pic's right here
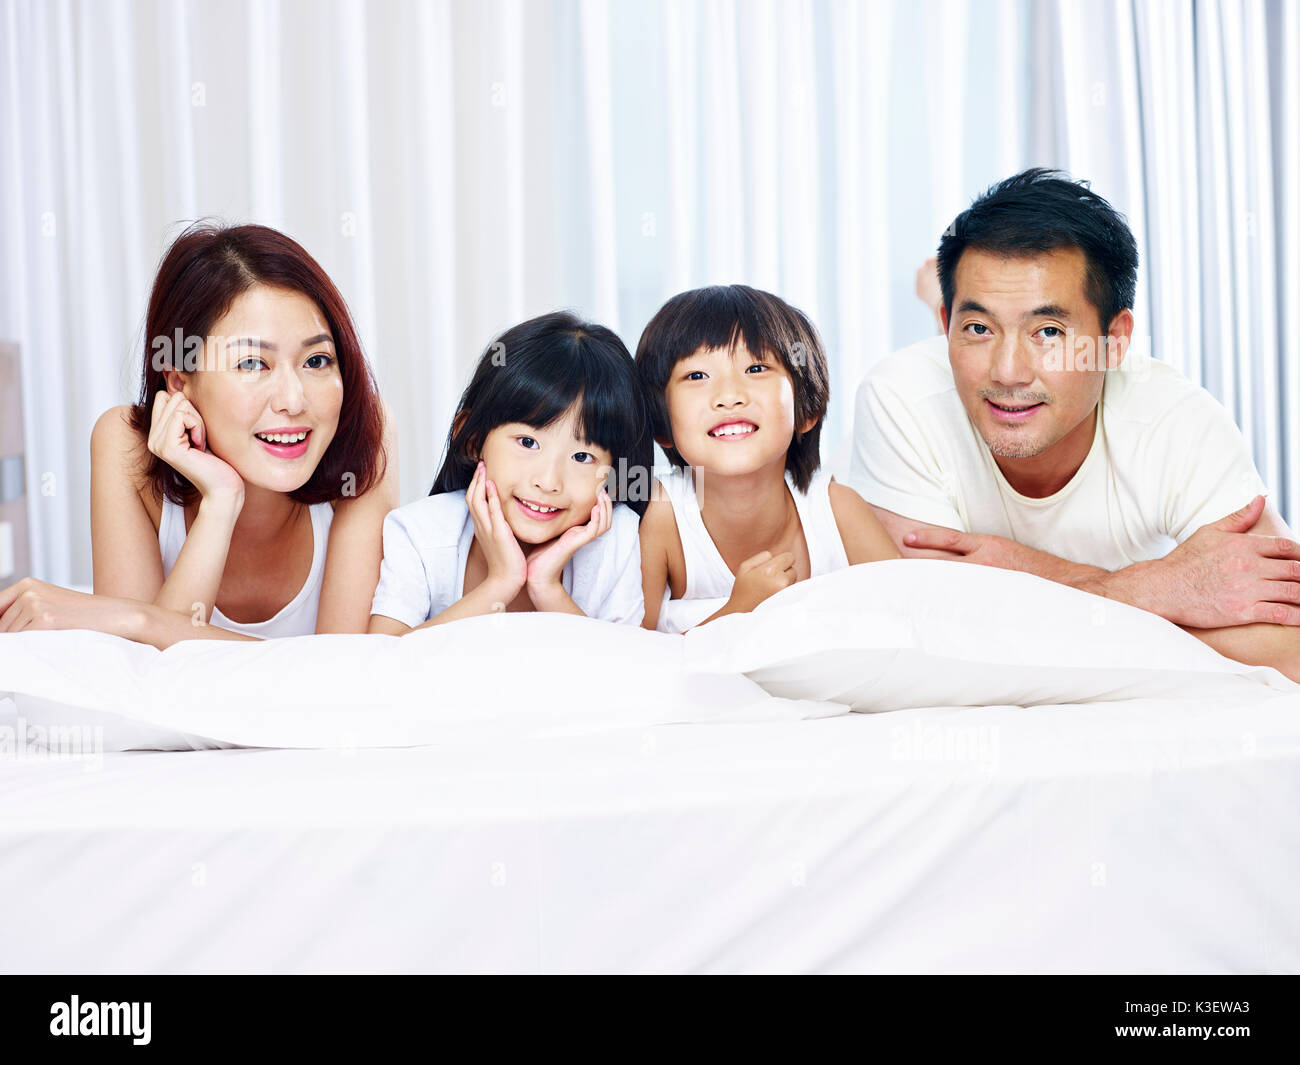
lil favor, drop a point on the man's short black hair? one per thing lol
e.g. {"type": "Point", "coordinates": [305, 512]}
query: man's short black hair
{"type": "Point", "coordinates": [723, 316]}
{"type": "Point", "coordinates": [1041, 210]}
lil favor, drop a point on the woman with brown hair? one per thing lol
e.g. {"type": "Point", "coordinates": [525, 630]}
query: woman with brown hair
{"type": "Point", "coordinates": [243, 496]}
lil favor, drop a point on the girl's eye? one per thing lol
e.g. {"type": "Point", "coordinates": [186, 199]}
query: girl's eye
{"type": "Point", "coordinates": [320, 361]}
{"type": "Point", "coordinates": [756, 366]}
{"type": "Point", "coordinates": [695, 375]}
{"type": "Point", "coordinates": [250, 364]}
{"type": "Point", "coordinates": [978, 328]}
{"type": "Point", "coordinates": [528, 442]}
{"type": "Point", "coordinates": [584, 456]}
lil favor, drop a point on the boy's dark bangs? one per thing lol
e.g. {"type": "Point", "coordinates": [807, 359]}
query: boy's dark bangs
{"type": "Point", "coordinates": [722, 318]}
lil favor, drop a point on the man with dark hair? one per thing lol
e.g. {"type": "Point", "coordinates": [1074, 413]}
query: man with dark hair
{"type": "Point", "coordinates": [1025, 438]}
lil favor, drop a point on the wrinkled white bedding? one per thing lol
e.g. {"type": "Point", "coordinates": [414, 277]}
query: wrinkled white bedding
{"type": "Point", "coordinates": [550, 794]}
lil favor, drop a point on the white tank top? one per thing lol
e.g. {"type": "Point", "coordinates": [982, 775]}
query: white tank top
{"type": "Point", "coordinates": [708, 580]}
{"type": "Point", "coordinates": [298, 617]}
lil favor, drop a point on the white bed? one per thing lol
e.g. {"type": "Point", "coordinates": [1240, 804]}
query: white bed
{"type": "Point", "coordinates": [1140, 834]}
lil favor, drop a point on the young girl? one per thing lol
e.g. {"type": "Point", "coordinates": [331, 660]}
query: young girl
{"type": "Point", "coordinates": [737, 385]}
{"type": "Point", "coordinates": [243, 495]}
{"type": "Point", "coordinates": [519, 517]}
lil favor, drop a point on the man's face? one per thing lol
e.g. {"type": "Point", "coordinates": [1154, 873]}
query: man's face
{"type": "Point", "coordinates": [1029, 352]}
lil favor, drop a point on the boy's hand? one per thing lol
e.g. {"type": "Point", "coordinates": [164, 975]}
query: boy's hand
{"type": "Point", "coordinates": [760, 577]}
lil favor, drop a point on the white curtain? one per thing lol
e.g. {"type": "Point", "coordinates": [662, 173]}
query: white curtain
{"type": "Point", "coordinates": [458, 166]}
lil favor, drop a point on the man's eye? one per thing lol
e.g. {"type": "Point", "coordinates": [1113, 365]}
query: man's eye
{"type": "Point", "coordinates": [978, 328]}
{"type": "Point", "coordinates": [1051, 332]}
{"type": "Point", "coordinates": [528, 442]}
{"type": "Point", "coordinates": [250, 363]}
{"type": "Point", "coordinates": [320, 361]}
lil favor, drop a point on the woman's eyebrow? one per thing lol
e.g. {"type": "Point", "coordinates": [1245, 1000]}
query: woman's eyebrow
{"type": "Point", "coordinates": [266, 345]}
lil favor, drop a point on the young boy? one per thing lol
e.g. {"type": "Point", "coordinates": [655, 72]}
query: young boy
{"type": "Point", "coordinates": [737, 385]}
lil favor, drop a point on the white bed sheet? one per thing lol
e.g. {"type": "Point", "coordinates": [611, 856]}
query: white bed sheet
{"type": "Point", "coordinates": [1137, 836]}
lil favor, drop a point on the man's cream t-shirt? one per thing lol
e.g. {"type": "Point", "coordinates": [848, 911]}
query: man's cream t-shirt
{"type": "Point", "coordinates": [1166, 459]}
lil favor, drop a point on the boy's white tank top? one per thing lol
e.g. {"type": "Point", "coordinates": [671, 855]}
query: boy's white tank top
{"type": "Point", "coordinates": [298, 616]}
{"type": "Point", "coordinates": [708, 580]}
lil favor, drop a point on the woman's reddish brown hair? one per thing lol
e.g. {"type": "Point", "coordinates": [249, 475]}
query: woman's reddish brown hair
{"type": "Point", "coordinates": [200, 276]}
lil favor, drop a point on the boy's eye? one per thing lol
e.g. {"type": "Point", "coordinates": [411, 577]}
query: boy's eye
{"type": "Point", "coordinates": [320, 361]}
{"type": "Point", "coordinates": [250, 363]}
{"type": "Point", "coordinates": [528, 442]}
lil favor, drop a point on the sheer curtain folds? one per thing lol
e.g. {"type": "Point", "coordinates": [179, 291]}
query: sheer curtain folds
{"type": "Point", "coordinates": [457, 166]}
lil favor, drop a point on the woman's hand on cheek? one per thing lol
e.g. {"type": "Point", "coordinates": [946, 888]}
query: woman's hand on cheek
{"type": "Point", "coordinates": [546, 565]}
{"type": "Point", "coordinates": [507, 567]}
{"type": "Point", "coordinates": [178, 436]}
{"type": "Point", "coordinates": [32, 605]}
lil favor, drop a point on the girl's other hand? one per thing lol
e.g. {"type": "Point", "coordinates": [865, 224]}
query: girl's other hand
{"type": "Point", "coordinates": [546, 565]}
{"type": "Point", "coordinates": [507, 567]}
{"type": "Point", "coordinates": [177, 436]}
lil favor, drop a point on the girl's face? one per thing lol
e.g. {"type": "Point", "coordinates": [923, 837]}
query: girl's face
{"type": "Point", "coordinates": [269, 368]}
{"type": "Point", "coordinates": [547, 478]}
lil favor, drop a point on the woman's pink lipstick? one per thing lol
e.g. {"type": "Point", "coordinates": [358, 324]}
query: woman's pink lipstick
{"type": "Point", "coordinates": [286, 451]}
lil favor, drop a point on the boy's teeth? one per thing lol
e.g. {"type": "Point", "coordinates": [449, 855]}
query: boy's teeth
{"type": "Point", "coordinates": [282, 438]}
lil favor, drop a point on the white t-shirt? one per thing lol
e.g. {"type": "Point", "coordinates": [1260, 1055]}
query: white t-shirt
{"type": "Point", "coordinates": [426, 546]}
{"type": "Point", "coordinates": [1166, 459]}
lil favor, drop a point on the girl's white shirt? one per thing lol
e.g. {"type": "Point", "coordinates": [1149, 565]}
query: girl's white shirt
{"type": "Point", "coordinates": [426, 548]}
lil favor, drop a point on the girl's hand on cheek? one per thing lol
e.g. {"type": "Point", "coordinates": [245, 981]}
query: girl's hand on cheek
{"type": "Point", "coordinates": [546, 565]}
{"type": "Point", "coordinates": [178, 437]}
{"type": "Point", "coordinates": [507, 567]}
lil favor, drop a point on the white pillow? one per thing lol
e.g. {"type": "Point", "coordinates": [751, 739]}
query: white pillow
{"type": "Point", "coordinates": [513, 674]}
{"type": "Point", "coordinates": [913, 633]}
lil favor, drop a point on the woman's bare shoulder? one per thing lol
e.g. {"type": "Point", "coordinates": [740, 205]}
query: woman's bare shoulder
{"type": "Point", "coordinates": [120, 451]}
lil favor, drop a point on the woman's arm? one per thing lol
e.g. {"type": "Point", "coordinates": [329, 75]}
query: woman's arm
{"type": "Point", "coordinates": [32, 605]}
{"type": "Point", "coordinates": [356, 547]}
{"type": "Point", "coordinates": [864, 538]}
{"type": "Point", "coordinates": [127, 560]}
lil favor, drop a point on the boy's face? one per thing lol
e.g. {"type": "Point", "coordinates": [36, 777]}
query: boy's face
{"type": "Point", "coordinates": [731, 411]}
{"type": "Point", "coordinates": [548, 478]}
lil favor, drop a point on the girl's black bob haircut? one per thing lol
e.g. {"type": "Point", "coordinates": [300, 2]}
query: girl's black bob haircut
{"type": "Point", "coordinates": [532, 374]}
{"type": "Point", "coordinates": [723, 316]}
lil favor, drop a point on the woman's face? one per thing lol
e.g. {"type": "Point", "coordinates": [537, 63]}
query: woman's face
{"type": "Point", "coordinates": [268, 388]}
